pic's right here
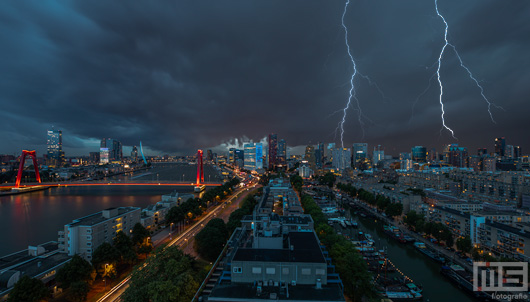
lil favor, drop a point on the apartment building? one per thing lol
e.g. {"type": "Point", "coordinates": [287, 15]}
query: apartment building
{"type": "Point", "coordinates": [84, 235]}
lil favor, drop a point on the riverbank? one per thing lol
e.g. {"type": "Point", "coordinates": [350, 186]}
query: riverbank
{"type": "Point", "coordinates": [23, 190]}
{"type": "Point", "coordinates": [450, 255]}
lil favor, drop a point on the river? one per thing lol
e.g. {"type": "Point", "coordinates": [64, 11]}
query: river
{"type": "Point", "coordinates": [36, 217]}
{"type": "Point", "coordinates": [421, 269]}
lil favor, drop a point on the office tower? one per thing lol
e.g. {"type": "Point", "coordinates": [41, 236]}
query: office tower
{"type": "Point", "coordinates": [239, 158]}
{"type": "Point", "coordinates": [209, 155]}
{"type": "Point", "coordinates": [319, 155]}
{"type": "Point", "coordinates": [231, 156]}
{"type": "Point", "coordinates": [509, 151]}
{"type": "Point", "coordinates": [253, 154]}
{"type": "Point", "coordinates": [482, 151]}
{"type": "Point", "coordinates": [310, 156]}
{"type": "Point", "coordinates": [114, 149]}
{"type": "Point", "coordinates": [134, 154]}
{"type": "Point", "coordinates": [273, 150]}
{"type": "Point", "coordinates": [517, 152]}
{"type": "Point", "coordinates": [341, 159]}
{"type": "Point", "coordinates": [379, 154]}
{"type": "Point", "coordinates": [419, 154]}
{"type": "Point", "coordinates": [282, 152]}
{"type": "Point", "coordinates": [329, 151]}
{"type": "Point", "coordinates": [55, 148]}
{"type": "Point", "coordinates": [500, 145]}
{"type": "Point", "coordinates": [360, 152]}
{"type": "Point", "coordinates": [456, 156]}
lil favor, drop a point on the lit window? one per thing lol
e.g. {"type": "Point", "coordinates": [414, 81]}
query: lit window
{"type": "Point", "coordinates": [238, 270]}
{"type": "Point", "coordinates": [270, 271]}
{"type": "Point", "coordinates": [256, 270]}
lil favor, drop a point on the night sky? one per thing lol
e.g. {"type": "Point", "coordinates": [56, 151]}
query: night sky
{"type": "Point", "coordinates": [181, 75]}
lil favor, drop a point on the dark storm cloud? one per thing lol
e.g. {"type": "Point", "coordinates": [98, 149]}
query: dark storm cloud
{"type": "Point", "coordinates": [181, 75]}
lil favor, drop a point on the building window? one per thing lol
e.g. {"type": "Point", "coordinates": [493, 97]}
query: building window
{"type": "Point", "coordinates": [89, 231]}
{"type": "Point", "coordinates": [306, 271]}
{"type": "Point", "coordinates": [237, 270]}
{"type": "Point", "coordinates": [285, 271]}
{"type": "Point", "coordinates": [256, 270]}
{"type": "Point", "coordinates": [89, 243]}
{"type": "Point", "coordinates": [270, 271]}
{"type": "Point", "coordinates": [320, 272]}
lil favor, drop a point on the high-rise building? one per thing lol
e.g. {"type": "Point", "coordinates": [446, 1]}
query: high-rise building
{"type": "Point", "coordinates": [517, 152]}
{"type": "Point", "coordinates": [253, 154]}
{"type": "Point", "coordinates": [134, 154]}
{"type": "Point", "coordinates": [419, 154]}
{"type": "Point", "coordinates": [379, 154]}
{"type": "Point", "coordinates": [239, 158]}
{"type": "Point", "coordinates": [209, 155]}
{"type": "Point", "coordinates": [93, 157]}
{"type": "Point", "coordinates": [114, 149]}
{"type": "Point", "coordinates": [341, 159]}
{"type": "Point", "coordinates": [319, 155]}
{"type": "Point", "coordinates": [55, 156]}
{"type": "Point", "coordinates": [329, 151]}
{"type": "Point", "coordinates": [273, 150]}
{"type": "Point", "coordinates": [457, 156]}
{"type": "Point", "coordinates": [404, 156]}
{"type": "Point", "coordinates": [509, 151]}
{"type": "Point", "coordinates": [231, 156]}
{"type": "Point", "coordinates": [489, 164]}
{"type": "Point", "coordinates": [482, 151]}
{"type": "Point", "coordinates": [310, 156]}
{"type": "Point", "coordinates": [282, 152]}
{"type": "Point", "coordinates": [500, 145]}
{"type": "Point", "coordinates": [360, 152]}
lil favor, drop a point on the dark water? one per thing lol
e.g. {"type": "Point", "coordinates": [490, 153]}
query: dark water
{"type": "Point", "coordinates": [34, 218]}
{"type": "Point", "coordinates": [421, 269]}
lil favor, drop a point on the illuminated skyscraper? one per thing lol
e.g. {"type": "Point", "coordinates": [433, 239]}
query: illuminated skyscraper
{"type": "Point", "coordinates": [341, 158]}
{"type": "Point", "coordinates": [114, 149]}
{"type": "Point", "coordinates": [378, 155]}
{"type": "Point", "coordinates": [360, 152]}
{"type": "Point", "coordinates": [419, 154]}
{"type": "Point", "coordinates": [55, 148]}
{"type": "Point", "coordinates": [253, 154]}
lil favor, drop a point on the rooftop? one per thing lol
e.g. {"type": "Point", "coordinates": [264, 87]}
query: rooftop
{"type": "Point", "coordinates": [248, 292]}
{"type": "Point", "coordinates": [508, 228]}
{"type": "Point", "coordinates": [305, 249]}
{"type": "Point", "coordinates": [98, 217]}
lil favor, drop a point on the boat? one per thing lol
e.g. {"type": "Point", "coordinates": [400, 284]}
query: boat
{"type": "Point", "coordinates": [199, 189]}
{"type": "Point", "coordinates": [394, 233]}
{"type": "Point", "coordinates": [463, 279]}
{"type": "Point", "coordinates": [420, 246]}
{"type": "Point", "coordinates": [408, 238]}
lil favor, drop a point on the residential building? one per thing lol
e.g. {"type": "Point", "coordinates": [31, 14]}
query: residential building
{"type": "Point", "coordinates": [282, 152]}
{"type": "Point", "coordinates": [378, 155]}
{"type": "Point", "coordinates": [84, 235]}
{"type": "Point", "coordinates": [500, 145]}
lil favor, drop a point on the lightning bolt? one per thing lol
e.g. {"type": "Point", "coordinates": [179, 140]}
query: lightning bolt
{"type": "Point", "coordinates": [447, 44]}
{"type": "Point", "coordinates": [352, 85]}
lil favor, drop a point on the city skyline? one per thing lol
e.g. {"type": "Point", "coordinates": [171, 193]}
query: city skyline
{"type": "Point", "coordinates": [176, 80]}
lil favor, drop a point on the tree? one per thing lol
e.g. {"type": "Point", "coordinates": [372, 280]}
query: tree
{"type": "Point", "coordinates": [28, 290]}
{"type": "Point", "coordinates": [327, 179]}
{"type": "Point", "coordinates": [297, 182]}
{"type": "Point", "coordinates": [77, 269]}
{"type": "Point", "coordinates": [139, 233]}
{"type": "Point", "coordinates": [394, 209]}
{"type": "Point", "coordinates": [210, 240]}
{"type": "Point", "coordinates": [168, 275]}
{"type": "Point", "coordinates": [78, 291]}
{"type": "Point", "coordinates": [124, 246]}
{"type": "Point", "coordinates": [103, 256]}
{"type": "Point", "coordinates": [463, 244]}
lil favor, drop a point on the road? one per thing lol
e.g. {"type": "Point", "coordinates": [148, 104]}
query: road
{"type": "Point", "coordinates": [184, 240]}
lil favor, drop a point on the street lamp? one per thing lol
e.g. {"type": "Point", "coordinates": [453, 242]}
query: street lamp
{"type": "Point", "coordinates": [105, 278]}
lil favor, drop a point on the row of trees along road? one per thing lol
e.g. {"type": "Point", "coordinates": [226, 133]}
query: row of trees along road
{"type": "Point", "coordinates": [347, 260]}
{"type": "Point", "coordinates": [383, 203]}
